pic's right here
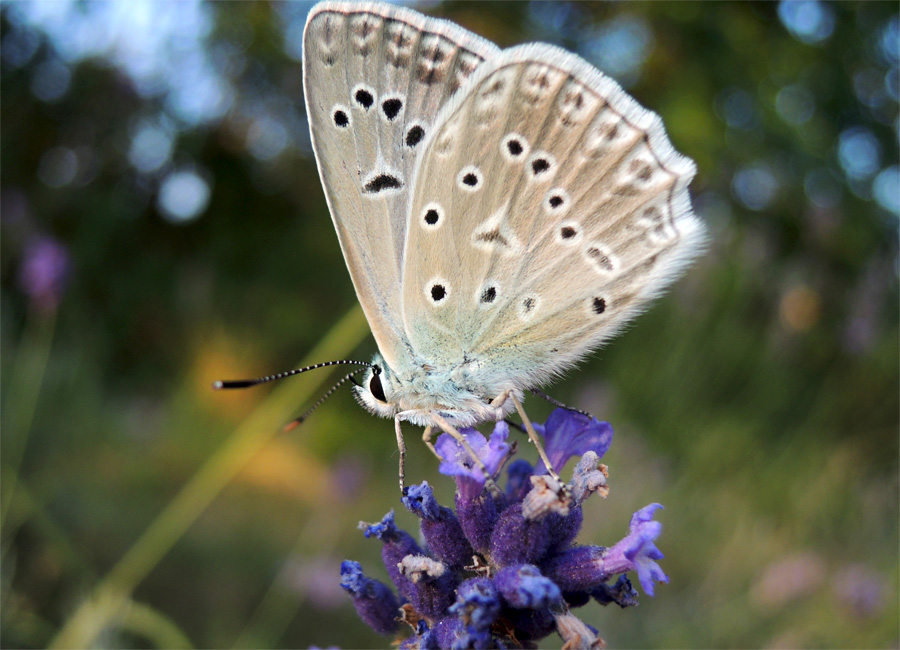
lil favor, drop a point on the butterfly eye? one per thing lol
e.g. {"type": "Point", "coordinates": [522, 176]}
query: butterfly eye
{"type": "Point", "coordinates": [375, 386]}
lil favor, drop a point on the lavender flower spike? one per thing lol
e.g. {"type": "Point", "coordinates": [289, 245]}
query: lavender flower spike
{"type": "Point", "coordinates": [375, 603]}
{"type": "Point", "coordinates": [457, 463]}
{"type": "Point", "coordinates": [567, 433]}
{"type": "Point", "coordinates": [504, 570]}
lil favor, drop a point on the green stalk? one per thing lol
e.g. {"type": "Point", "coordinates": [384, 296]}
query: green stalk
{"type": "Point", "coordinates": [22, 397]}
{"type": "Point", "coordinates": [111, 596]}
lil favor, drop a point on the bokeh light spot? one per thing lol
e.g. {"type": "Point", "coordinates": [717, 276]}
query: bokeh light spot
{"type": "Point", "coordinates": [151, 147]}
{"type": "Point", "coordinates": [823, 188]}
{"type": "Point", "coordinates": [858, 152]}
{"type": "Point", "coordinates": [266, 138]}
{"type": "Point", "coordinates": [800, 308]}
{"type": "Point", "coordinates": [18, 46]}
{"type": "Point", "coordinates": [736, 108]}
{"type": "Point", "coordinates": [890, 40]}
{"type": "Point", "coordinates": [183, 196]}
{"type": "Point", "coordinates": [886, 189]}
{"type": "Point", "coordinates": [620, 47]}
{"type": "Point", "coordinates": [58, 167]}
{"type": "Point", "coordinates": [795, 104]}
{"type": "Point", "coordinates": [755, 187]}
{"type": "Point", "coordinates": [51, 80]}
{"type": "Point", "coordinates": [808, 21]}
{"type": "Point", "coordinates": [892, 83]}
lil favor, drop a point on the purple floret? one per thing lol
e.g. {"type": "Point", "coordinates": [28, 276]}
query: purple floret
{"type": "Point", "coordinates": [470, 478]}
{"type": "Point", "coordinates": [637, 551]}
{"type": "Point", "coordinates": [567, 433]}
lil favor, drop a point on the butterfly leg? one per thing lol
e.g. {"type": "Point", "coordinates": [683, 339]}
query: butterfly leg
{"type": "Point", "coordinates": [499, 401]}
{"type": "Point", "coordinates": [426, 438]}
{"type": "Point", "coordinates": [461, 439]}
{"type": "Point", "coordinates": [533, 436]}
{"type": "Point", "coordinates": [401, 446]}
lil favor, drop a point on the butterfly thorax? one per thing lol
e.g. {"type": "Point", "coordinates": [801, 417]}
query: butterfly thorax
{"type": "Point", "coordinates": [458, 393]}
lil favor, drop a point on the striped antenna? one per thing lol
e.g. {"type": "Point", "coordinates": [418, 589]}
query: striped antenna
{"type": "Point", "coordinates": [246, 383]}
{"type": "Point", "coordinates": [293, 424]}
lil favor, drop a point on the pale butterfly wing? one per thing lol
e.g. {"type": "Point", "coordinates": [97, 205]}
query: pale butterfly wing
{"type": "Point", "coordinates": [375, 77]}
{"type": "Point", "coordinates": [548, 208]}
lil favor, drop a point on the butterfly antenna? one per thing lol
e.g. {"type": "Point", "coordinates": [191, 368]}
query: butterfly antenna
{"type": "Point", "coordinates": [556, 402]}
{"type": "Point", "coordinates": [293, 424]}
{"type": "Point", "coordinates": [246, 383]}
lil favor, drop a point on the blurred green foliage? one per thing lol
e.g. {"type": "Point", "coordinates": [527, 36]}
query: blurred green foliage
{"type": "Point", "coordinates": [758, 401]}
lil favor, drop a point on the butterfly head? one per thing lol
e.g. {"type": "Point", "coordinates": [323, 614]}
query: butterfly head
{"type": "Point", "coordinates": [376, 391]}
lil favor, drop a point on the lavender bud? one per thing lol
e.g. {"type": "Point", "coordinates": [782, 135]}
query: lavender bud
{"type": "Point", "coordinates": [440, 527]}
{"type": "Point", "coordinates": [397, 545]}
{"type": "Point", "coordinates": [517, 540]}
{"type": "Point", "coordinates": [564, 529]}
{"type": "Point", "coordinates": [447, 631]}
{"type": "Point", "coordinates": [578, 569]}
{"type": "Point", "coordinates": [477, 517]}
{"type": "Point", "coordinates": [523, 586]}
{"type": "Point", "coordinates": [431, 585]}
{"type": "Point", "coordinates": [477, 603]}
{"type": "Point", "coordinates": [375, 603]}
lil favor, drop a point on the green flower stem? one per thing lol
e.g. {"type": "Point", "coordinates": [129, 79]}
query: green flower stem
{"type": "Point", "coordinates": [154, 626]}
{"type": "Point", "coordinates": [110, 597]}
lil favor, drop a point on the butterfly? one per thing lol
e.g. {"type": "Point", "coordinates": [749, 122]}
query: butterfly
{"type": "Point", "coordinates": [502, 213]}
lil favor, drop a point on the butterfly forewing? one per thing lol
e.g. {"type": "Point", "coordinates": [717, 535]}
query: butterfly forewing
{"type": "Point", "coordinates": [375, 78]}
{"type": "Point", "coordinates": [560, 207]}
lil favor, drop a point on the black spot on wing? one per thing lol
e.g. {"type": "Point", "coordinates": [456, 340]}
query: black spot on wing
{"type": "Point", "coordinates": [391, 107]}
{"type": "Point", "coordinates": [381, 183]}
{"type": "Point", "coordinates": [414, 135]}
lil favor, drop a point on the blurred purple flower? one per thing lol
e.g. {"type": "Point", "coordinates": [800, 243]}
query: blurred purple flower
{"type": "Point", "coordinates": [44, 272]}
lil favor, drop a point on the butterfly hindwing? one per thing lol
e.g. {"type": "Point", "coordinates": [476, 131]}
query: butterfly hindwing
{"type": "Point", "coordinates": [375, 76]}
{"type": "Point", "coordinates": [548, 208]}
